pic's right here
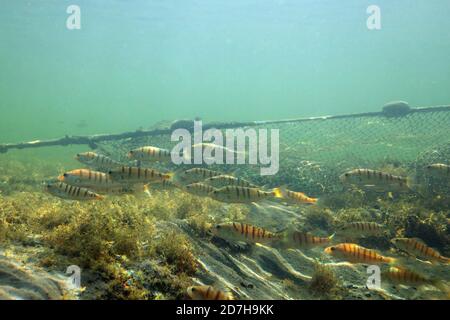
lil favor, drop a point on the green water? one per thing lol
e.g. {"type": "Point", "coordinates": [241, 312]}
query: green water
{"type": "Point", "coordinates": [139, 64]}
{"type": "Point", "coordinates": [132, 65]}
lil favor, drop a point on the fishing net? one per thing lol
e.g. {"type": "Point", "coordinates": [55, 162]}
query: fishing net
{"type": "Point", "coordinates": [315, 151]}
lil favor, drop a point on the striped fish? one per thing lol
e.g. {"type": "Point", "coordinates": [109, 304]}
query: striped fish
{"type": "Point", "coordinates": [88, 179]}
{"type": "Point", "coordinates": [439, 170]}
{"type": "Point", "coordinates": [66, 191]}
{"type": "Point", "coordinates": [234, 194]}
{"type": "Point", "coordinates": [150, 153]}
{"type": "Point", "coordinates": [361, 229]}
{"type": "Point", "coordinates": [199, 189]}
{"type": "Point", "coordinates": [401, 275]}
{"type": "Point", "coordinates": [227, 180]}
{"type": "Point", "coordinates": [208, 293]}
{"type": "Point", "coordinates": [127, 174]}
{"type": "Point", "coordinates": [297, 239]}
{"type": "Point", "coordinates": [238, 231]}
{"type": "Point", "coordinates": [195, 175]}
{"type": "Point", "coordinates": [376, 180]}
{"type": "Point", "coordinates": [418, 248]}
{"type": "Point", "coordinates": [293, 196]}
{"type": "Point", "coordinates": [95, 160]}
{"type": "Point", "coordinates": [356, 254]}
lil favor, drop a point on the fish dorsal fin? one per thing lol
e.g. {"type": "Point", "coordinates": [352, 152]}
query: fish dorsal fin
{"type": "Point", "coordinates": [282, 231]}
{"type": "Point", "coordinates": [425, 244]}
{"type": "Point", "coordinates": [420, 241]}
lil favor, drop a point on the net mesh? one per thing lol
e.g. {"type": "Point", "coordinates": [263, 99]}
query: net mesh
{"type": "Point", "coordinates": [314, 153]}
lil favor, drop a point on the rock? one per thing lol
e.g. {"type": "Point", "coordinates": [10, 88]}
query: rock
{"type": "Point", "coordinates": [396, 109]}
{"type": "Point", "coordinates": [18, 282]}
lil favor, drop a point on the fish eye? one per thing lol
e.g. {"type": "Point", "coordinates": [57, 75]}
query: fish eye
{"type": "Point", "coordinates": [347, 174]}
{"type": "Point", "coordinates": [218, 226]}
{"type": "Point", "coordinates": [193, 289]}
{"type": "Point", "coordinates": [332, 248]}
{"type": "Point", "coordinates": [65, 175]}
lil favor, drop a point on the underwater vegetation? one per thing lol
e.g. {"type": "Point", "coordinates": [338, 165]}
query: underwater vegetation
{"type": "Point", "coordinates": [325, 284]}
{"type": "Point", "coordinates": [109, 238]}
{"type": "Point", "coordinates": [157, 244]}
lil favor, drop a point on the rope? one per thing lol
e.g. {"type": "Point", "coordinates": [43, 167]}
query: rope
{"type": "Point", "coordinates": [92, 140]}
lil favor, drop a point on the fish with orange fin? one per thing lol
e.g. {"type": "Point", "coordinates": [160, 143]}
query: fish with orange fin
{"type": "Point", "coordinates": [293, 196]}
{"type": "Point", "coordinates": [354, 253]}
{"type": "Point", "coordinates": [206, 292]}
{"type": "Point", "coordinates": [66, 191]}
{"type": "Point", "coordinates": [88, 179]}
{"type": "Point", "coordinates": [418, 248]}
{"type": "Point", "coordinates": [402, 275]}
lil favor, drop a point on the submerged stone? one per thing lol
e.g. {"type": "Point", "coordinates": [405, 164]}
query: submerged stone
{"type": "Point", "coordinates": [396, 108]}
{"type": "Point", "coordinates": [18, 282]}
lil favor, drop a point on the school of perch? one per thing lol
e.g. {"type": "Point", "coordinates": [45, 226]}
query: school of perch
{"type": "Point", "coordinates": [113, 177]}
